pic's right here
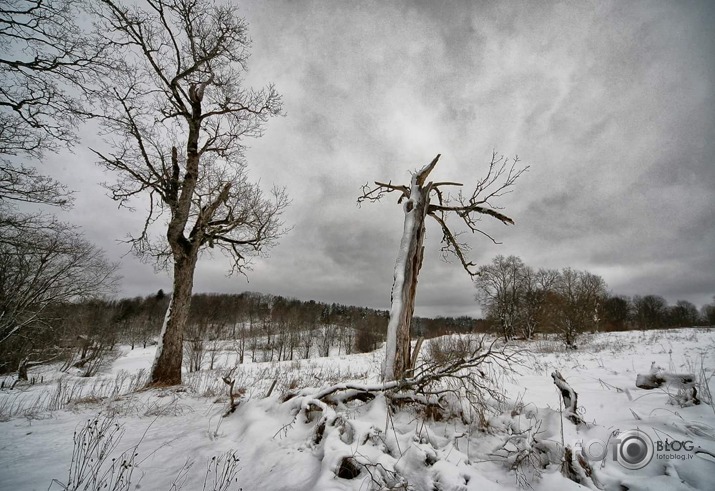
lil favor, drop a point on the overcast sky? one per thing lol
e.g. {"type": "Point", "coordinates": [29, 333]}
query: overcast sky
{"type": "Point", "coordinates": [610, 103]}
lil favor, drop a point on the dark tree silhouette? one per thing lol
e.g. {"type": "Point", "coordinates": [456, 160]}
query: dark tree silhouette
{"type": "Point", "coordinates": [177, 113]}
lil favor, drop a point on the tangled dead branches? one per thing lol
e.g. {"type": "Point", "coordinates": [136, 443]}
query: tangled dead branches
{"type": "Point", "coordinates": [473, 376]}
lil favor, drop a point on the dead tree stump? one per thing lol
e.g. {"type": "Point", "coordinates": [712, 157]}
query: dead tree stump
{"type": "Point", "coordinates": [570, 398]}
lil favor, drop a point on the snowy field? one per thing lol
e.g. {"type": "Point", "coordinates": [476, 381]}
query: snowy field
{"type": "Point", "coordinates": [170, 439]}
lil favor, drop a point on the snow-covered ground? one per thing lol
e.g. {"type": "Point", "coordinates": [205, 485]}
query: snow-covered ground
{"type": "Point", "coordinates": [178, 438]}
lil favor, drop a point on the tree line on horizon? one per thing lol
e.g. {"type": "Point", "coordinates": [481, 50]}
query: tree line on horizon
{"type": "Point", "coordinates": [260, 327]}
{"type": "Point", "coordinates": [521, 301]}
{"type": "Point", "coordinates": [264, 327]}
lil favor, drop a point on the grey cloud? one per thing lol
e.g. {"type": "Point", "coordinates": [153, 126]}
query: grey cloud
{"type": "Point", "coordinates": [611, 104]}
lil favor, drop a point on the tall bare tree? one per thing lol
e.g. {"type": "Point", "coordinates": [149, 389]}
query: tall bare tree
{"type": "Point", "coordinates": [177, 113]}
{"type": "Point", "coordinates": [422, 199]}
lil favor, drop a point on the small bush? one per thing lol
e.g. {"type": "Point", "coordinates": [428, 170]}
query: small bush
{"type": "Point", "coordinates": [448, 348]}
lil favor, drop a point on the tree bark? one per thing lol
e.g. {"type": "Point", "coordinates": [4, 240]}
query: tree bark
{"type": "Point", "coordinates": [22, 369]}
{"type": "Point", "coordinates": [407, 268]}
{"type": "Point", "coordinates": [166, 369]}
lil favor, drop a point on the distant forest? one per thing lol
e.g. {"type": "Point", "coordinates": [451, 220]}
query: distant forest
{"type": "Point", "coordinates": [264, 327]}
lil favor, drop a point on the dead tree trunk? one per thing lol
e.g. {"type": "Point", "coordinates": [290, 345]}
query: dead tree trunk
{"type": "Point", "coordinates": [419, 200]}
{"type": "Point", "coordinates": [407, 269]}
{"type": "Point", "coordinates": [22, 369]}
{"type": "Point", "coordinates": [26, 364]}
{"type": "Point", "coordinates": [657, 377]}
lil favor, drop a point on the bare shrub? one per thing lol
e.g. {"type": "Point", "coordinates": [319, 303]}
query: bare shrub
{"type": "Point", "coordinates": [448, 348]}
{"type": "Point", "coordinates": [194, 353]}
{"type": "Point", "coordinates": [101, 355]}
{"type": "Point", "coordinates": [468, 386]}
{"type": "Point", "coordinates": [90, 467]}
{"type": "Point", "coordinates": [221, 472]}
{"type": "Point", "coordinates": [169, 408]}
{"type": "Point", "coordinates": [68, 392]}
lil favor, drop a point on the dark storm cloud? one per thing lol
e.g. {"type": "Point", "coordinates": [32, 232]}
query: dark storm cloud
{"type": "Point", "coordinates": [611, 103]}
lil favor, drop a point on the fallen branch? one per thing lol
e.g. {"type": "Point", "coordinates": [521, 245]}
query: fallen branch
{"type": "Point", "coordinates": [416, 353]}
{"type": "Point", "coordinates": [231, 394]}
{"type": "Point", "coordinates": [470, 377]}
{"type": "Point", "coordinates": [576, 468]}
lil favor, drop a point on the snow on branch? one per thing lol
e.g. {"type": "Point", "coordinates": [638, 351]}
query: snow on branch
{"type": "Point", "coordinates": [569, 397]}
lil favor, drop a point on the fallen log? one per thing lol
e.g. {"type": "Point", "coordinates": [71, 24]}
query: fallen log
{"type": "Point", "coordinates": [659, 377]}
{"type": "Point", "coordinates": [684, 382]}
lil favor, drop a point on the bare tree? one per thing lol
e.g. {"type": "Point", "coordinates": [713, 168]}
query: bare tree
{"type": "Point", "coordinates": [45, 61]}
{"type": "Point", "coordinates": [41, 57]}
{"type": "Point", "coordinates": [195, 338]}
{"type": "Point", "coordinates": [650, 311]}
{"type": "Point", "coordinates": [419, 200]}
{"type": "Point", "coordinates": [536, 287]}
{"type": "Point", "coordinates": [48, 266]}
{"type": "Point", "coordinates": [708, 313]}
{"type": "Point", "coordinates": [617, 310]}
{"type": "Point", "coordinates": [683, 314]}
{"type": "Point", "coordinates": [500, 291]}
{"type": "Point", "coordinates": [177, 114]}
{"type": "Point", "coordinates": [46, 58]}
{"type": "Point", "coordinates": [580, 297]}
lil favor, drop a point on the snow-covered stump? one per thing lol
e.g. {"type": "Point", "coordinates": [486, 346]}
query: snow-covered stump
{"type": "Point", "coordinates": [570, 398]}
